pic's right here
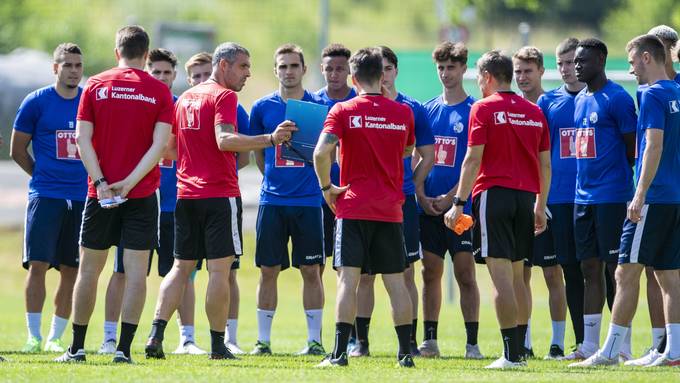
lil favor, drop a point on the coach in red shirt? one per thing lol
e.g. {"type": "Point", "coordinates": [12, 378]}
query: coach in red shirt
{"type": "Point", "coordinates": [375, 134]}
{"type": "Point", "coordinates": [124, 119]}
{"type": "Point", "coordinates": [507, 169]}
{"type": "Point", "coordinates": [208, 212]}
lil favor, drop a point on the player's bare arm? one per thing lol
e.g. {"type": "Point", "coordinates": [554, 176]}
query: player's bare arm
{"type": "Point", "coordinates": [242, 160]}
{"type": "Point", "coordinates": [540, 217]}
{"type": "Point", "coordinates": [323, 158]}
{"type": "Point", "coordinates": [259, 159]}
{"type": "Point", "coordinates": [84, 131]}
{"type": "Point", "coordinates": [18, 149]}
{"type": "Point", "coordinates": [408, 151]}
{"type": "Point", "coordinates": [629, 140]}
{"type": "Point", "coordinates": [468, 175]}
{"type": "Point", "coordinates": [170, 151]}
{"type": "Point", "coordinates": [229, 140]}
{"type": "Point", "coordinates": [650, 164]}
{"type": "Point", "coordinates": [423, 158]}
{"type": "Point", "coordinates": [150, 159]}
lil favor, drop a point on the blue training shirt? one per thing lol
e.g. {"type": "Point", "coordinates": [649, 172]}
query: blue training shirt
{"type": "Point", "coordinates": [558, 107]}
{"type": "Point", "coordinates": [51, 120]}
{"type": "Point", "coordinates": [423, 137]}
{"type": "Point", "coordinates": [322, 96]}
{"type": "Point", "coordinates": [601, 119]}
{"type": "Point", "coordinates": [660, 109]}
{"type": "Point", "coordinates": [450, 129]}
{"type": "Point", "coordinates": [285, 182]}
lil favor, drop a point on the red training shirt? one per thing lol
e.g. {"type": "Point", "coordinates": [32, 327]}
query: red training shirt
{"type": "Point", "coordinates": [124, 105]}
{"type": "Point", "coordinates": [203, 170]}
{"type": "Point", "coordinates": [373, 133]}
{"type": "Point", "coordinates": [513, 132]}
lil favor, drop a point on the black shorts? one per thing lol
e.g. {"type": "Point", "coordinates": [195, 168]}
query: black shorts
{"type": "Point", "coordinates": [437, 239]}
{"type": "Point", "coordinates": [166, 243]}
{"type": "Point", "coordinates": [328, 229]}
{"type": "Point", "coordinates": [544, 254]}
{"type": "Point", "coordinates": [504, 224]}
{"type": "Point", "coordinates": [411, 230]}
{"type": "Point", "coordinates": [562, 227]}
{"type": "Point", "coordinates": [597, 230]}
{"type": "Point", "coordinates": [375, 247]}
{"type": "Point", "coordinates": [208, 228]}
{"type": "Point", "coordinates": [655, 240]}
{"type": "Point", "coordinates": [132, 225]}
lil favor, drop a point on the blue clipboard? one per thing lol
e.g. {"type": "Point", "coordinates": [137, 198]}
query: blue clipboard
{"type": "Point", "coordinates": [309, 118]}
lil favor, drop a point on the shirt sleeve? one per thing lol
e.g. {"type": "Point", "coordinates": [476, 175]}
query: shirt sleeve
{"type": "Point", "coordinates": [652, 111]}
{"type": "Point", "coordinates": [167, 112]}
{"type": "Point", "coordinates": [477, 126]}
{"type": "Point", "coordinates": [423, 130]}
{"type": "Point", "coordinates": [225, 109]}
{"type": "Point", "coordinates": [27, 116]}
{"type": "Point", "coordinates": [544, 144]}
{"type": "Point", "coordinates": [85, 107]}
{"type": "Point", "coordinates": [243, 120]}
{"type": "Point", "coordinates": [334, 122]}
{"type": "Point", "coordinates": [412, 130]}
{"type": "Point", "coordinates": [624, 112]}
{"type": "Point", "coordinates": [255, 126]}
{"type": "Point", "coordinates": [176, 121]}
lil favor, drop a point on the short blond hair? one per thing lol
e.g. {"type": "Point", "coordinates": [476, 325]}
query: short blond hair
{"type": "Point", "coordinates": [198, 59]}
{"type": "Point", "coordinates": [529, 54]}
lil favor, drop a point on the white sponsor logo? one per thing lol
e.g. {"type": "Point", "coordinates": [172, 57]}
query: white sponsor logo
{"type": "Point", "coordinates": [593, 118]}
{"type": "Point", "coordinates": [499, 117]}
{"type": "Point", "coordinates": [674, 106]}
{"type": "Point", "coordinates": [355, 122]}
{"type": "Point", "coordinates": [313, 257]}
{"type": "Point", "coordinates": [122, 89]}
{"type": "Point", "coordinates": [102, 93]}
{"type": "Point", "coordinates": [133, 97]}
{"type": "Point", "coordinates": [458, 127]}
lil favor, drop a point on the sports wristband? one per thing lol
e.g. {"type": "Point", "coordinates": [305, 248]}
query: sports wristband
{"type": "Point", "coordinates": [458, 202]}
{"type": "Point", "coordinates": [327, 187]}
{"type": "Point", "coordinates": [271, 139]}
{"type": "Point", "coordinates": [99, 182]}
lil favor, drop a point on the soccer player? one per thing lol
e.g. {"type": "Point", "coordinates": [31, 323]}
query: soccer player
{"type": "Point", "coordinates": [650, 233]}
{"type": "Point", "coordinates": [199, 69]}
{"type": "Point", "coordinates": [124, 120]}
{"type": "Point", "coordinates": [528, 69]}
{"type": "Point", "coordinates": [335, 70]}
{"type": "Point", "coordinates": [605, 119]}
{"type": "Point", "coordinates": [558, 239]}
{"type": "Point", "coordinates": [46, 120]}
{"type": "Point", "coordinates": [448, 115]}
{"type": "Point", "coordinates": [414, 178]}
{"type": "Point", "coordinates": [208, 212]}
{"type": "Point", "coordinates": [290, 208]}
{"type": "Point", "coordinates": [507, 169]}
{"type": "Point", "coordinates": [161, 65]}
{"type": "Point", "coordinates": [374, 133]}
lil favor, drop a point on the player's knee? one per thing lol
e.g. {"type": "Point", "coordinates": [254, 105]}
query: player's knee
{"type": "Point", "coordinates": [310, 273]}
{"type": "Point", "coordinates": [269, 274]}
{"type": "Point", "coordinates": [38, 269]}
{"type": "Point", "coordinates": [466, 281]}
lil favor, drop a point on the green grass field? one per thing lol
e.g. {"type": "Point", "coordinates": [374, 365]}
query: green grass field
{"type": "Point", "coordinates": [288, 337]}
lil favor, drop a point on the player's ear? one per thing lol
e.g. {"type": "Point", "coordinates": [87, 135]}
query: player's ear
{"type": "Point", "coordinates": [55, 67]}
{"type": "Point", "coordinates": [117, 53]}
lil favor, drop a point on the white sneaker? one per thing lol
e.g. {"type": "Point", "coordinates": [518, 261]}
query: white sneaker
{"type": "Point", "coordinates": [429, 349]}
{"type": "Point", "coordinates": [597, 359]}
{"type": "Point", "coordinates": [625, 356]}
{"type": "Point", "coordinates": [189, 348]}
{"type": "Point", "coordinates": [108, 347]}
{"type": "Point", "coordinates": [502, 363]}
{"type": "Point", "coordinates": [578, 354]}
{"type": "Point", "coordinates": [234, 348]}
{"type": "Point", "coordinates": [664, 360]}
{"type": "Point", "coordinates": [472, 352]}
{"type": "Point", "coordinates": [644, 360]}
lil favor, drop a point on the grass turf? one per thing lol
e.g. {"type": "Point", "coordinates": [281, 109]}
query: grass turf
{"type": "Point", "coordinates": [289, 336]}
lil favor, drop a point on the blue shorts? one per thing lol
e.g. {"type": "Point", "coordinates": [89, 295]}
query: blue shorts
{"type": "Point", "coordinates": [411, 230]}
{"type": "Point", "coordinates": [597, 230]}
{"type": "Point", "coordinates": [562, 228]}
{"type": "Point", "coordinates": [276, 224]}
{"type": "Point", "coordinates": [52, 230]}
{"type": "Point", "coordinates": [437, 239]}
{"type": "Point", "coordinates": [328, 229]}
{"type": "Point", "coordinates": [655, 240]}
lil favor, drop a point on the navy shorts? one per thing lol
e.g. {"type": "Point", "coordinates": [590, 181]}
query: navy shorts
{"type": "Point", "coordinates": [655, 240]}
{"type": "Point", "coordinates": [562, 228]}
{"type": "Point", "coordinates": [411, 230]}
{"type": "Point", "coordinates": [375, 247]}
{"type": "Point", "coordinates": [437, 239]}
{"type": "Point", "coordinates": [544, 254]}
{"type": "Point", "coordinates": [277, 224]}
{"type": "Point", "coordinates": [51, 232]}
{"type": "Point", "coordinates": [504, 224]}
{"type": "Point", "coordinates": [597, 230]}
{"type": "Point", "coordinates": [328, 229]}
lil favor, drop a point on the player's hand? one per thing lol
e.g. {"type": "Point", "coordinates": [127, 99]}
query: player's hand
{"type": "Point", "coordinates": [634, 213]}
{"type": "Point", "coordinates": [443, 203]}
{"type": "Point", "coordinates": [331, 195]}
{"type": "Point", "coordinates": [540, 220]}
{"type": "Point", "coordinates": [121, 188]}
{"type": "Point", "coordinates": [283, 132]}
{"type": "Point", "coordinates": [427, 204]}
{"type": "Point", "coordinates": [452, 215]}
{"type": "Point", "coordinates": [104, 192]}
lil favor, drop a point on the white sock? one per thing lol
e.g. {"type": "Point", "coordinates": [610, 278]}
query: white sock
{"type": "Point", "coordinates": [657, 335]}
{"type": "Point", "coordinates": [673, 340]}
{"type": "Point", "coordinates": [314, 319]}
{"type": "Point", "coordinates": [558, 328]}
{"type": "Point", "coordinates": [232, 327]}
{"type": "Point", "coordinates": [57, 327]}
{"type": "Point", "coordinates": [527, 338]}
{"type": "Point", "coordinates": [186, 334]}
{"type": "Point", "coordinates": [615, 339]}
{"type": "Point", "coordinates": [627, 346]}
{"type": "Point", "coordinates": [33, 323]}
{"type": "Point", "coordinates": [264, 325]}
{"type": "Point", "coordinates": [110, 331]}
{"type": "Point", "coordinates": [591, 332]}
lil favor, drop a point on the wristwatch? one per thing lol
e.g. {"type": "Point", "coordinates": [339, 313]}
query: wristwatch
{"type": "Point", "coordinates": [458, 202]}
{"type": "Point", "coordinates": [99, 182]}
{"type": "Point", "coordinates": [327, 187]}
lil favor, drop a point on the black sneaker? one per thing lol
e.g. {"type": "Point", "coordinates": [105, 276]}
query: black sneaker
{"type": "Point", "coordinates": [2, 359]}
{"type": "Point", "coordinates": [224, 353]}
{"type": "Point", "coordinates": [67, 357]}
{"type": "Point", "coordinates": [154, 349]}
{"type": "Point", "coordinates": [406, 361]}
{"type": "Point", "coordinates": [556, 353]}
{"type": "Point", "coordinates": [528, 353]}
{"type": "Point", "coordinates": [329, 361]}
{"type": "Point", "coordinates": [414, 348]}
{"type": "Point", "coordinates": [120, 357]}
